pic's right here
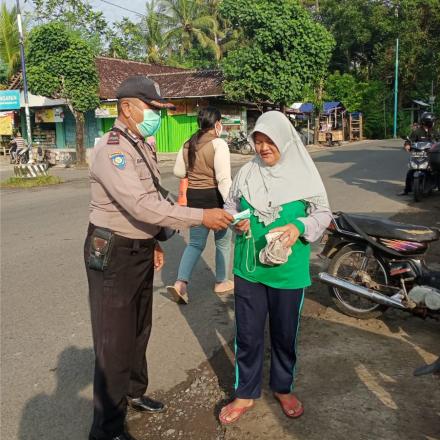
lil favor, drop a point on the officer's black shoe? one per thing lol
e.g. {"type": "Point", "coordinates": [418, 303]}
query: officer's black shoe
{"type": "Point", "coordinates": [403, 193]}
{"type": "Point", "coordinates": [123, 436]}
{"type": "Point", "coordinates": [145, 403]}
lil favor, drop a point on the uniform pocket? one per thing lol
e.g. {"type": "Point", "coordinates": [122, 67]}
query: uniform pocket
{"type": "Point", "coordinates": [143, 171]}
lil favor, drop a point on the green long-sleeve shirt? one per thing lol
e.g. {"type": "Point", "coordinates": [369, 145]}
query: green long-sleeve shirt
{"type": "Point", "coordinates": [295, 273]}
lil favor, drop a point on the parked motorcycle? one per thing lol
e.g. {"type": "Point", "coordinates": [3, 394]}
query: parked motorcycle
{"type": "Point", "coordinates": [20, 157]}
{"type": "Point", "coordinates": [426, 175]}
{"type": "Point", "coordinates": [239, 144]}
{"type": "Point", "coordinates": [376, 264]}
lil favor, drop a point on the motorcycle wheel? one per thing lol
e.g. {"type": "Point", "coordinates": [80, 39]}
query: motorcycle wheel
{"type": "Point", "coordinates": [348, 263]}
{"type": "Point", "coordinates": [245, 149]}
{"type": "Point", "coordinates": [418, 190]}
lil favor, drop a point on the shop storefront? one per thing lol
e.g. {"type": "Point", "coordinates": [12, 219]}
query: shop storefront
{"type": "Point", "coordinates": [179, 125]}
{"type": "Point", "coordinates": [9, 116]}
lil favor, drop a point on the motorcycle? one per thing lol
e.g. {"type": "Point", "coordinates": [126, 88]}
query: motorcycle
{"type": "Point", "coordinates": [21, 156]}
{"type": "Point", "coordinates": [425, 175]}
{"type": "Point", "coordinates": [240, 144]}
{"type": "Point", "coordinates": [376, 264]}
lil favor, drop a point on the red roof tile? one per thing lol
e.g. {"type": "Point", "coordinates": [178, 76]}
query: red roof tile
{"type": "Point", "coordinates": [174, 82]}
{"type": "Point", "coordinates": [113, 71]}
{"type": "Point", "coordinates": [202, 83]}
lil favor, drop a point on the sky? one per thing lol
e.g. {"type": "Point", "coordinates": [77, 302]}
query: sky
{"type": "Point", "coordinates": [111, 13]}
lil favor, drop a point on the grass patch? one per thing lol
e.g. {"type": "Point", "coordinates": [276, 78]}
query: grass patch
{"type": "Point", "coordinates": [20, 182]}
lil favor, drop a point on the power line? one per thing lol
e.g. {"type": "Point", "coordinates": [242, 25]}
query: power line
{"type": "Point", "coordinates": [125, 9]}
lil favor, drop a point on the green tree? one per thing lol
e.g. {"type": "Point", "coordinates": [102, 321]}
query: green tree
{"type": "Point", "coordinates": [77, 15]}
{"type": "Point", "coordinates": [366, 30]}
{"type": "Point", "coordinates": [143, 40]}
{"type": "Point", "coordinates": [9, 40]}
{"type": "Point", "coordinates": [3, 75]}
{"type": "Point", "coordinates": [345, 88]}
{"type": "Point", "coordinates": [359, 28]}
{"type": "Point", "coordinates": [62, 65]}
{"type": "Point", "coordinates": [188, 24]}
{"type": "Point", "coordinates": [286, 51]}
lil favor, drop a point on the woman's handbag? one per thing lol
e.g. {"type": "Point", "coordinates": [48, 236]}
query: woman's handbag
{"type": "Point", "coordinates": [165, 232]}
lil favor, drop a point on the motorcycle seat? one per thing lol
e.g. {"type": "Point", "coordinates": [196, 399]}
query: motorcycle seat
{"type": "Point", "coordinates": [377, 227]}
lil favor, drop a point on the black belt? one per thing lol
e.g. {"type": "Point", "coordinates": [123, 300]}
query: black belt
{"type": "Point", "coordinates": [119, 240]}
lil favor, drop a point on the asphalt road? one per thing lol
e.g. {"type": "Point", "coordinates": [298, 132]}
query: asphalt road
{"type": "Point", "coordinates": [46, 348]}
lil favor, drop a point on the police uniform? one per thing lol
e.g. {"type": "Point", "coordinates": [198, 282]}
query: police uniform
{"type": "Point", "coordinates": [124, 200]}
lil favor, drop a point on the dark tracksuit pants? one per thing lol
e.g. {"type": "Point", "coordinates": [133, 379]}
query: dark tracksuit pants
{"type": "Point", "coordinates": [121, 311]}
{"type": "Point", "coordinates": [253, 302]}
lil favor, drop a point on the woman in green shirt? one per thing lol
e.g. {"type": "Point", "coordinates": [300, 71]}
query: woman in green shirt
{"type": "Point", "coordinates": [284, 193]}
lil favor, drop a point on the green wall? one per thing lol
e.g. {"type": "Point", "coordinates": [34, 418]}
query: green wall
{"type": "Point", "coordinates": [174, 131]}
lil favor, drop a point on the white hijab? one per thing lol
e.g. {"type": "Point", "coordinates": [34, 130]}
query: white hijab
{"type": "Point", "coordinates": [294, 177]}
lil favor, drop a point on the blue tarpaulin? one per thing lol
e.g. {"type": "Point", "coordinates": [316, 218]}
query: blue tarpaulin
{"type": "Point", "coordinates": [330, 106]}
{"type": "Point", "coordinates": [306, 107]}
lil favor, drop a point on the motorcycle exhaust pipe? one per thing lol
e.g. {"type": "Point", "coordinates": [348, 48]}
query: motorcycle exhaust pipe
{"type": "Point", "coordinates": [364, 292]}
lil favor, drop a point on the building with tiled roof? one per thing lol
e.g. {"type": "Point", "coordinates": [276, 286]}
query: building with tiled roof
{"type": "Point", "coordinates": [188, 89]}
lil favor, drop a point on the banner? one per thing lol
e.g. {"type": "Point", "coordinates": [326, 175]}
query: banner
{"type": "Point", "coordinates": [6, 123]}
{"type": "Point", "coordinates": [107, 110]}
{"type": "Point", "coordinates": [49, 115]}
{"type": "Point", "coordinates": [9, 99]}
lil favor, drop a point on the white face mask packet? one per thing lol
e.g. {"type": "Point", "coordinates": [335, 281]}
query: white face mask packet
{"type": "Point", "coordinates": [274, 253]}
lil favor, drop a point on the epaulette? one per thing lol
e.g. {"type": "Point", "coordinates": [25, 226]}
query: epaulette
{"type": "Point", "coordinates": [113, 138]}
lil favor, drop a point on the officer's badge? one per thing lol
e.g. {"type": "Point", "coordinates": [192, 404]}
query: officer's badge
{"type": "Point", "coordinates": [113, 138]}
{"type": "Point", "coordinates": [118, 160]}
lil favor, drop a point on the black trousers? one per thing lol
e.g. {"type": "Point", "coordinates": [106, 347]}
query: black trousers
{"type": "Point", "coordinates": [253, 302]}
{"type": "Point", "coordinates": [121, 310]}
{"type": "Point", "coordinates": [409, 180]}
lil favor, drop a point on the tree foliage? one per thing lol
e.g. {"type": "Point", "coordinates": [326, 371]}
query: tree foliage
{"type": "Point", "coordinates": [61, 64]}
{"type": "Point", "coordinates": [77, 15]}
{"type": "Point", "coordinates": [286, 51]}
{"type": "Point", "coordinates": [366, 32]}
{"type": "Point", "coordinates": [187, 24]}
{"type": "Point", "coordinates": [9, 41]}
{"type": "Point", "coordinates": [345, 88]}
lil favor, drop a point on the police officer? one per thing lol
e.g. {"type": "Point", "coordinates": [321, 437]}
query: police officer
{"type": "Point", "coordinates": [423, 133]}
{"type": "Point", "coordinates": [121, 254]}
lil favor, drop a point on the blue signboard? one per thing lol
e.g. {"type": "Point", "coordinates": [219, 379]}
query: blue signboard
{"type": "Point", "coordinates": [9, 99]}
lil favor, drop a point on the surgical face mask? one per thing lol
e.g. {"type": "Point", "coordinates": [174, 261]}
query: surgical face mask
{"type": "Point", "coordinates": [150, 124]}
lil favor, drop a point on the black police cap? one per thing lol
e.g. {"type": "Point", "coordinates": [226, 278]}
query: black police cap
{"type": "Point", "coordinates": [143, 88]}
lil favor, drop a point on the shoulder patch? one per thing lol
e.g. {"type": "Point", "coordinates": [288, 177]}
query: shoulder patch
{"type": "Point", "coordinates": [113, 138]}
{"type": "Point", "coordinates": [118, 159]}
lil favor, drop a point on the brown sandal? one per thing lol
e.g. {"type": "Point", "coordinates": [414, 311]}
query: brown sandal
{"type": "Point", "coordinates": [292, 407]}
{"type": "Point", "coordinates": [229, 410]}
{"type": "Point", "coordinates": [177, 295]}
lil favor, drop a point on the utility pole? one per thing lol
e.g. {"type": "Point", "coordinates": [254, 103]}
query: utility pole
{"type": "Point", "coordinates": [25, 88]}
{"type": "Point", "coordinates": [396, 79]}
{"type": "Point", "coordinates": [432, 97]}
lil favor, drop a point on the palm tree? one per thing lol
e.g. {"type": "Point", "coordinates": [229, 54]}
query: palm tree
{"type": "Point", "coordinates": [226, 38]}
{"type": "Point", "coordinates": [9, 39]}
{"type": "Point", "coordinates": [154, 35]}
{"type": "Point", "coordinates": [186, 23]}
